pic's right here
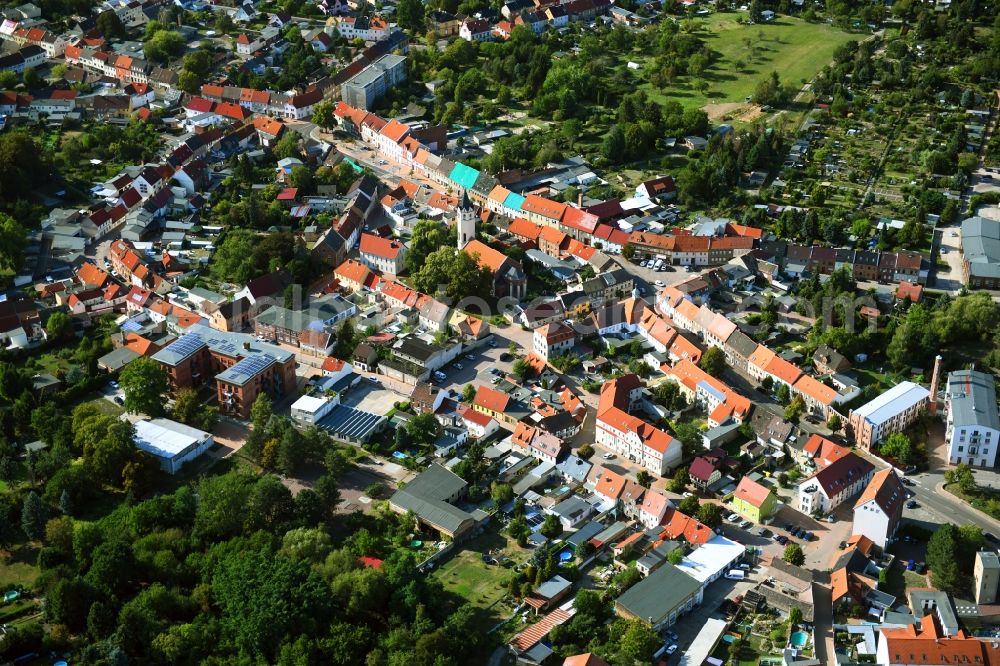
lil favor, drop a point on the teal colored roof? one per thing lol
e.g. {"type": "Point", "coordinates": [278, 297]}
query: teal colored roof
{"type": "Point", "coordinates": [513, 201]}
{"type": "Point", "coordinates": [464, 176]}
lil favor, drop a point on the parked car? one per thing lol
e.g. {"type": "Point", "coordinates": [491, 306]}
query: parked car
{"type": "Point", "coordinates": [912, 504]}
{"type": "Point", "coordinates": [733, 517]}
{"type": "Point", "coordinates": [373, 380]}
{"type": "Point", "coordinates": [470, 357]}
{"type": "Point", "coordinates": [120, 400]}
{"type": "Point", "coordinates": [782, 539]}
{"type": "Point", "coordinates": [745, 524]}
{"type": "Point", "coordinates": [608, 456]}
{"type": "Point", "coordinates": [763, 532]}
{"type": "Point", "coordinates": [459, 366]}
{"type": "Point", "coordinates": [672, 649]}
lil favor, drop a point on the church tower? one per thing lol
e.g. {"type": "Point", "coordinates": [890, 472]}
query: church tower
{"type": "Point", "coordinates": [465, 221]}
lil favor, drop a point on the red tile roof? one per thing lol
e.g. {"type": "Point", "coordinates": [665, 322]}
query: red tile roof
{"type": "Point", "coordinates": [544, 207]}
{"type": "Point", "coordinates": [701, 469]}
{"type": "Point", "coordinates": [352, 271]}
{"type": "Point", "coordinates": [91, 276]}
{"type": "Point", "coordinates": [488, 257]}
{"type": "Point", "coordinates": [752, 492]}
{"type": "Point", "coordinates": [395, 130]}
{"type": "Point", "coordinates": [525, 229]}
{"type": "Point", "coordinates": [386, 248]}
{"type": "Point", "coordinates": [490, 399]}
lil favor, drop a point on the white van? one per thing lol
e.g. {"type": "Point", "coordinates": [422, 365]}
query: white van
{"type": "Point", "coordinates": [736, 574]}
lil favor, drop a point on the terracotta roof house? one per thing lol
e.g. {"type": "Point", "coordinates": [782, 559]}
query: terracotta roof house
{"type": "Point", "coordinates": [754, 500]}
{"type": "Point", "coordinates": [822, 452]}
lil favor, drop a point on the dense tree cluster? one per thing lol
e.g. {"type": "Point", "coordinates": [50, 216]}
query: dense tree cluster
{"type": "Point", "coordinates": [243, 255]}
{"type": "Point", "coordinates": [725, 159]}
{"type": "Point", "coordinates": [455, 273]}
{"type": "Point", "coordinates": [964, 320]}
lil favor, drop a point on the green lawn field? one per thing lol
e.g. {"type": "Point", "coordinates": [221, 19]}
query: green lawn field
{"type": "Point", "coordinates": [794, 48]}
{"type": "Point", "coordinates": [466, 575]}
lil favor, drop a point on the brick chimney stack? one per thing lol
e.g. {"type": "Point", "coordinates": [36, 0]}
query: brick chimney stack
{"type": "Point", "coordinates": [935, 378]}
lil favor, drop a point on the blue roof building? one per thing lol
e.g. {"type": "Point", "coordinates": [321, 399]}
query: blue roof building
{"type": "Point", "coordinates": [463, 176]}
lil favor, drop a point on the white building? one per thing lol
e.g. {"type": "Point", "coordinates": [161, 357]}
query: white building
{"type": "Point", "coordinates": [879, 510]}
{"type": "Point", "coordinates": [553, 340]}
{"type": "Point", "coordinates": [479, 425]}
{"type": "Point", "coordinates": [309, 410]}
{"type": "Point", "coordinates": [972, 426]}
{"type": "Point", "coordinates": [385, 255]}
{"type": "Point", "coordinates": [833, 485]}
{"type": "Point", "coordinates": [173, 443]}
{"type": "Point", "coordinates": [710, 560]}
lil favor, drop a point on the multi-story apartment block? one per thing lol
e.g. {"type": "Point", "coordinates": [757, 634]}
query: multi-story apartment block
{"type": "Point", "coordinates": [628, 435]}
{"type": "Point", "coordinates": [553, 340]}
{"type": "Point", "coordinates": [833, 485]}
{"type": "Point", "coordinates": [242, 367]}
{"type": "Point", "coordinates": [372, 82]}
{"type": "Point", "coordinates": [891, 412]}
{"type": "Point", "coordinates": [972, 425]}
{"type": "Point", "coordinates": [879, 510]}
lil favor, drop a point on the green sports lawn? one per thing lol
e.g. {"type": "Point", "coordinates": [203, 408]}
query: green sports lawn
{"type": "Point", "coordinates": [794, 48]}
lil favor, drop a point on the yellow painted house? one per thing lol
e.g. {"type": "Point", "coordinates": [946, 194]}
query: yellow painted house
{"type": "Point", "coordinates": [753, 500]}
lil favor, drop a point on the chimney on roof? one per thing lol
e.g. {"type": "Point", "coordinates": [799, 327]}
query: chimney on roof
{"type": "Point", "coordinates": [246, 346]}
{"type": "Point", "coordinates": [932, 407]}
{"type": "Point", "coordinates": [579, 200]}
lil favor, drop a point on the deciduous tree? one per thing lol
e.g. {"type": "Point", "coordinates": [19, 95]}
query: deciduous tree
{"type": "Point", "coordinates": [144, 384]}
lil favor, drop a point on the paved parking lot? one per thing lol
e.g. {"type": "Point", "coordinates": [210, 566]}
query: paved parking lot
{"type": "Point", "coordinates": [371, 397]}
{"type": "Point", "coordinates": [687, 627]}
{"type": "Point", "coordinates": [819, 552]}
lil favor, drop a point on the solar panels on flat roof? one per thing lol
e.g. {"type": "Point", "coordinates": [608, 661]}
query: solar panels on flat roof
{"type": "Point", "coordinates": [182, 348]}
{"type": "Point", "coordinates": [350, 423]}
{"type": "Point", "coordinates": [251, 366]}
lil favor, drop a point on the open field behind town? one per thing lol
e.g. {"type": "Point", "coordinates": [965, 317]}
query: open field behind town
{"type": "Point", "coordinates": [794, 48]}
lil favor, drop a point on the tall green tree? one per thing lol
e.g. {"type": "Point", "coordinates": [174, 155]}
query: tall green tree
{"type": "Point", "coordinates": [713, 361]}
{"type": "Point", "coordinates": [33, 516]}
{"type": "Point", "coordinates": [144, 383]}
{"type": "Point", "coordinates": [13, 238]}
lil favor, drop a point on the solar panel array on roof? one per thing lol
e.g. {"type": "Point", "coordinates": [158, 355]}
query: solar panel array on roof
{"type": "Point", "coordinates": [182, 348]}
{"type": "Point", "coordinates": [350, 423]}
{"type": "Point", "coordinates": [251, 366]}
